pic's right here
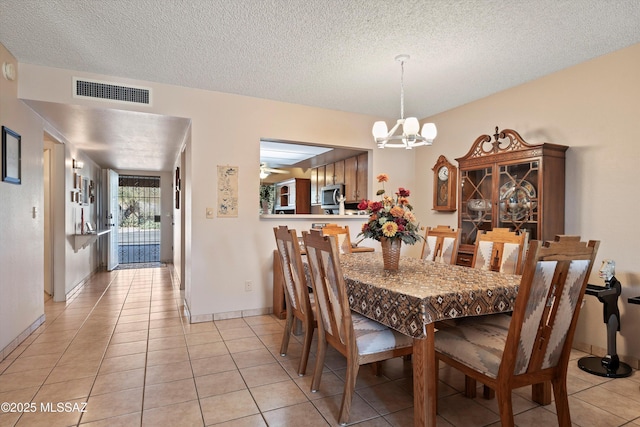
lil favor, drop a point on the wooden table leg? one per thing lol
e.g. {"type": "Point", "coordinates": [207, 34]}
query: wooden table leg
{"type": "Point", "coordinates": [424, 380]}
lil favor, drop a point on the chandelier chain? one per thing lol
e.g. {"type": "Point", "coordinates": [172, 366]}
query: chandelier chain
{"type": "Point", "coordinates": [402, 90]}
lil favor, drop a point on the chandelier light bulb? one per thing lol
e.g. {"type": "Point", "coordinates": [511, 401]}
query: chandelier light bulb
{"type": "Point", "coordinates": [379, 129]}
{"type": "Point", "coordinates": [411, 126]}
{"type": "Point", "coordinates": [429, 131]}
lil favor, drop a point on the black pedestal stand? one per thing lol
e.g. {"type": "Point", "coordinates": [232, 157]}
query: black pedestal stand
{"type": "Point", "coordinates": [610, 365]}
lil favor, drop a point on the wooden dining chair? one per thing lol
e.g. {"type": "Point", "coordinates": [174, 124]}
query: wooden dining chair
{"type": "Point", "coordinates": [441, 244]}
{"type": "Point", "coordinates": [356, 337]}
{"type": "Point", "coordinates": [499, 250]}
{"type": "Point", "coordinates": [299, 302]}
{"type": "Point", "coordinates": [343, 237]}
{"type": "Point", "coordinates": [534, 344]}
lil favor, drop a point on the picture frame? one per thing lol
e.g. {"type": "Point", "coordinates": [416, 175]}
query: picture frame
{"type": "Point", "coordinates": [178, 178]}
{"type": "Point", "coordinates": [177, 199]}
{"type": "Point", "coordinates": [84, 192]}
{"type": "Point", "coordinates": [11, 156]}
{"type": "Point", "coordinates": [92, 192]}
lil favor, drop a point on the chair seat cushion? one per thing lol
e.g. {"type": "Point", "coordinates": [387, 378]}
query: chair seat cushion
{"type": "Point", "coordinates": [477, 342]}
{"type": "Point", "coordinates": [373, 337]}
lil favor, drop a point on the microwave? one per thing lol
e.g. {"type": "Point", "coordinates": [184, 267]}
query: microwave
{"type": "Point", "coordinates": [329, 196]}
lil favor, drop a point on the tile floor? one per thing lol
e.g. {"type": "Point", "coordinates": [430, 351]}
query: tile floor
{"type": "Point", "coordinates": [122, 346]}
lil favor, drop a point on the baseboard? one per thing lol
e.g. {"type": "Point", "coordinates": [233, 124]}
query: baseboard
{"type": "Point", "coordinates": [199, 318]}
{"type": "Point", "coordinates": [21, 337]}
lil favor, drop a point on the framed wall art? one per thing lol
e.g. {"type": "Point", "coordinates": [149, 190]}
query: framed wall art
{"type": "Point", "coordinates": [11, 151]}
{"type": "Point", "coordinates": [84, 192]}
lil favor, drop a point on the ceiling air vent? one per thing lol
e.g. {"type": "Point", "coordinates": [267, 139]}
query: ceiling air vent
{"type": "Point", "coordinates": [95, 89]}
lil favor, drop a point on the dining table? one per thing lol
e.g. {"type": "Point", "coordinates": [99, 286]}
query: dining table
{"type": "Point", "coordinates": [413, 298]}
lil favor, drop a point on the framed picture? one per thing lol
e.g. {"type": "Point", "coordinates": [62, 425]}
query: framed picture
{"type": "Point", "coordinates": [178, 178]}
{"type": "Point", "coordinates": [11, 169]}
{"type": "Point", "coordinates": [84, 199]}
{"type": "Point", "coordinates": [177, 199]}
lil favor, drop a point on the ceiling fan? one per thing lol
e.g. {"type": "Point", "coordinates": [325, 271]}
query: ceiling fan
{"type": "Point", "coordinates": [265, 171]}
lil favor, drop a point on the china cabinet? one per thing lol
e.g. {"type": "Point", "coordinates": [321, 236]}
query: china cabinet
{"type": "Point", "coordinates": [509, 183]}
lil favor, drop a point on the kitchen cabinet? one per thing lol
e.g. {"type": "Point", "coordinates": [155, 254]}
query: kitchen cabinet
{"type": "Point", "coordinates": [509, 183]}
{"type": "Point", "coordinates": [334, 173]}
{"type": "Point", "coordinates": [329, 174]}
{"type": "Point", "coordinates": [315, 191]}
{"type": "Point", "coordinates": [353, 172]}
{"type": "Point", "coordinates": [338, 177]}
{"type": "Point", "coordinates": [356, 176]}
{"type": "Point", "coordinates": [293, 196]}
{"type": "Point", "coordinates": [317, 182]}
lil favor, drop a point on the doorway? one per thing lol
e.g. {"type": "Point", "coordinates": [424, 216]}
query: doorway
{"type": "Point", "coordinates": [138, 219]}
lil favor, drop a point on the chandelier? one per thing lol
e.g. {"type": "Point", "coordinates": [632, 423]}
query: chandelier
{"type": "Point", "coordinates": [410, 126]}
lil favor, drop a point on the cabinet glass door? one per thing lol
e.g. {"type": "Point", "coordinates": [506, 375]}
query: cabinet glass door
{"type": "Point", "coordinates": [518, 197]}
{"type": "Point", "coordinates": [476, 211]}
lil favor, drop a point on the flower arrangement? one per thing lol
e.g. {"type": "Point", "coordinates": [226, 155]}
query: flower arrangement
{"type": "Point", "coordinates": [391, 217]}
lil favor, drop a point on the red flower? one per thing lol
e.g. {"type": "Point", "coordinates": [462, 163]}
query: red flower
{"type": "Point", "coordinates": [363, 205]}
{"type": "Point", "coordinates": [403, 192]}
{"type": "Point", "coordinates": [375, 206]}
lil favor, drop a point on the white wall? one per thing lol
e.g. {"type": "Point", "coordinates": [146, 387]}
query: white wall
{"type": "Point", "coordinates": [79, 263]}
{"type": "Point", "coordinates": [21, 232]}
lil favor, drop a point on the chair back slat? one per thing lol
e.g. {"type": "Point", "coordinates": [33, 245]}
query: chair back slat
{"type": "Point", "coordinates": [329, 288]}
{"type": "Point", "coordinates": [547, 306]}
{"type": "Point", "coordinates": [510, 262]}
{"type": "Point", "coordinates": [441, 244]}
{"type": "Point", "coordinates": [342, 234]}
{"type": "Point", "coordinates": [499, 250]}
{"type": "Point", "coordinates": [297, 291]}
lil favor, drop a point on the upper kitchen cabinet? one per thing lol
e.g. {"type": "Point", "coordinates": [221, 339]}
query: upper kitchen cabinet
{"type": "Point", "coordinates": [317, 182]}
{"type": "Point", "coordinates": [508, 183]}
{"type": "Point", "coordinates": [334, 173]}
{"type": "Point", "coordinates": [353, 172]}
{"type": "Point", "coordinates": [356, 176]}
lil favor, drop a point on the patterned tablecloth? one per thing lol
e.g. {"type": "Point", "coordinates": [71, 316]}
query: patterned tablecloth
{"type": "Point", "coordinates": [422, 292]}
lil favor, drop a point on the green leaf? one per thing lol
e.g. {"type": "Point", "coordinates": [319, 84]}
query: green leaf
{"type": "Point", "coordinates": [380, 192]}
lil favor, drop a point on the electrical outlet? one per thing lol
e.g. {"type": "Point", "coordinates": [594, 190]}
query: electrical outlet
{"type": "Point", "coordinates": [248, 286]}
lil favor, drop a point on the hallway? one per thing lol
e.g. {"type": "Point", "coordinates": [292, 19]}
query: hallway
{"type": "Point", "coordinates": [122, 345]}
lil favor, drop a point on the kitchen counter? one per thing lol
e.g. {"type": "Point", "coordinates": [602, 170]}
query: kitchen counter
{"type": "Point", "coordinates": [324, 217]}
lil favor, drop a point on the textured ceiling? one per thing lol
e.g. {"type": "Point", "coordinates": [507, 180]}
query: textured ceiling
{"type": "Point", "coordinates": [326, 53]}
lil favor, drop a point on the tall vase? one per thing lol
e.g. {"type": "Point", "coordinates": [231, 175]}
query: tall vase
{"type": "Point", "coordinates": [390, 253]}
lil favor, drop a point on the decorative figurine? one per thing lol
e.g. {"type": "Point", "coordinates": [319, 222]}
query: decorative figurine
{"type": "Point", "coordinates": [609, 365]}
{"type": "Point", "coordinates": [341, 199]}
{"type": "Point", "coordinates": [610, 311]}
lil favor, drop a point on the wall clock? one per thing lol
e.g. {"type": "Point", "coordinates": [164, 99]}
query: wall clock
{"type": "Point", "coordinates": [445, 180]}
